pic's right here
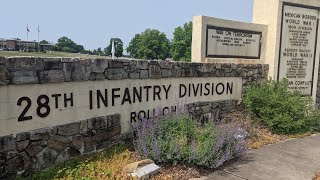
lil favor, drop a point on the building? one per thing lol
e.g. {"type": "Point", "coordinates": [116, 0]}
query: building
{"type": "Point", "coordinates": [20, 45]}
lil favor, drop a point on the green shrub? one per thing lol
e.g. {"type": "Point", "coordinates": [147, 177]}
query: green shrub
{"type": "Point", "coordinates": [282, 111]}
{"type": "Point", "coordinates": [178, 138]}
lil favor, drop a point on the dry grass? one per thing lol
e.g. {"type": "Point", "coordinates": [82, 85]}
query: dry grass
{"type": "Point", "coordinates": [317, 176]}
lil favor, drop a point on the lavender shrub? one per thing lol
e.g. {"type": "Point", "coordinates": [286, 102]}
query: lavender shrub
{"type": "Point", "coordinates": [175, 137]}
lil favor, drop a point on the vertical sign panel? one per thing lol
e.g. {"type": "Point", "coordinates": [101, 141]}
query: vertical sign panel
{"type": "Point", "coordinates": [298, 47]}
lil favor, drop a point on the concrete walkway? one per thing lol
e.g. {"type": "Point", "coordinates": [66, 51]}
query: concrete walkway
{"type": "Point", "coordinates": [296, 159]}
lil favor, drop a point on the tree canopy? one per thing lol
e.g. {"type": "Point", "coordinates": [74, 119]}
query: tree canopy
{"type": "Point", "coordinates": [118, 44]}
{"type": "Point", "coordinates": [65, 44]}
{"type": "Point", "coordinates": [150, 44]}
{"type": "Point", "coordinates": [181, 44]}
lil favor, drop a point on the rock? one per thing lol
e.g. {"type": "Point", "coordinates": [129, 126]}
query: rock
{"type": "Point", "coordinates": [22, 145]}
{"type": "Point", "coordinates": [59, 143]}
{"type": "Point", "coordinates": [7, 143]}
{"type": "Point", "coordinates": [77, 142]}
{"type": "Point", "coordinates": [40, 134]}
{"type": "Point", "coordinates": [154, 72]}
{"type": "Point", "coordinates": [84, 127]}
{"type": "Point", "coordinates": [23, 136]}
{"type": "Point", "coordinates": [88, 145]}
{"type": "Point", "coordinates": [52, 63]}
{"type": "Point", "coordinates": [116, 74]}
{"type": "Point", "coordinates": [165, 73]}
{"type": "Point", "coordinates": [69, 129]}
{"type": "Point", "coordinates": [144, 74]}
{"type": "Point", "coordinates": [142, 64]}
{"type": "Point", "coordinates": [35, 147]}
{"type": "Point", "coordinates": [25, 64]}
{"type": "Point", "coordinates": [62, 157]}
{"type": "Point", "coordinates": [18, 163]}
{"type": "Point", "coordinates": [73, 152]}
{"type": "Point", "coordinates": [4, 75]}
{"type": "Point", "coordinates": [11, 154]}
{"type": "Point", "coordinates": [46, 157]}
{"type": "Point", "coordinates": [51, 76]}
{"type": "Point", "coordinates": [24, 77]}
{"type": "Point", "coordinates": [99, 65]}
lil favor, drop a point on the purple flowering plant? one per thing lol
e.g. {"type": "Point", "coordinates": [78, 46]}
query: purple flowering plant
{"type": "Point", "coordinates": [176, 137]}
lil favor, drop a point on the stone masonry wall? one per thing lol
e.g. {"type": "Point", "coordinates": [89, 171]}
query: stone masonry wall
{"type": "Point", "coordinates": [25, 153]}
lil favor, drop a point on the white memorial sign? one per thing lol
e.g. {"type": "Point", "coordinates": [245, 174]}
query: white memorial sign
{"type": "Point", "coordinates": [298, 47]}
{"type": "Point", "coordinates": [233, 43]}
{"type": "Point", "coordinates": [28, 107]}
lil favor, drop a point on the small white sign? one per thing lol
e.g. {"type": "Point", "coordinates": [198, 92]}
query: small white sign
{"type": "Point", "coordinates": [233, 43]}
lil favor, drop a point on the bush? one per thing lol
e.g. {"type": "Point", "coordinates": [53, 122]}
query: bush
{"type": "Point", "coordinates": [282, 111]}
{"type": "Point", "coordinates": [177, 138]}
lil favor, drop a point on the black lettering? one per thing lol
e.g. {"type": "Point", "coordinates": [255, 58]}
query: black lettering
{"type": "Point", "coordinates": [56, 99]}
{"type": "Point", "coordinates": [68, 99]}
{"type": "Point", "coordinates": [166, 90]}
{"type": "Point", "coordinates": [164, 111]}
{"type": "Point", "coordinates": [229, 88]}
{"type": "Point", "coordinates": [103, 98]}
{"type": "Point", "coordinates": [147, 92]}
{"type": "Point", "coordinates": [212, 88]}
{"type": "Point", "coordinates": [114, 95]}
{"type": "Point", "coordinates": [42, 105]}
{"type": "Point", "coordinates": [126, 96]}
{"type": "Point", "coordinates": [206, 86]}
{"type": "Point", "coordinates": [22, 116]}
{"type": "Point", "coordinates": [180, 90]}
{"type": "Point", "coordinates": [195, 90]}
{"type": "Point", "coordinates": [133, 117]}
{"type": "Point", "coordinates": [90, 99]}
{"type": "Point", "coordinates": [156, 92]}
{"type": "Point", "coordinates": [137, 94]}
{"type": "Point", "coordinates": [142, 115]}
{"type": "Point", "coordinates": [217, 88]}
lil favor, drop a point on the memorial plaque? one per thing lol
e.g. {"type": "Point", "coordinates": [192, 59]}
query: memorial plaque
{"type": "Point", "coordinates": [233, 43]}
{"type": "Point", "coordinates": [298, 46]}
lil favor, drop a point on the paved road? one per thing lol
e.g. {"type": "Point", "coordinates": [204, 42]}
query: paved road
{"type": "Point", "coordinates": [296, 159]}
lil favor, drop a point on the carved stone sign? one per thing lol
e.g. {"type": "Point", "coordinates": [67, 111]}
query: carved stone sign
{"type": "Point", "coordinates": [298, 46]}
{"type": "Point", "coordinates": [28, 107]}
{"type": "Point", "coordinates": [233, 43]}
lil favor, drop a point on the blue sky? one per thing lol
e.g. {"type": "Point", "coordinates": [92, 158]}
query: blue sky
{"type": "Point", "coordinates": [93, 22]}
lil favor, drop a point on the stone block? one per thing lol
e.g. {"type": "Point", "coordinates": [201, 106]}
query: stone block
{"type": "Point", "coordinates": [141, 64]}
{"type": "Point", "coordinates": [96, 76]}
{"type": "Point", "coordinates": [18, 163]}
{"type": "Point", "coordinates": [59, 143]}
{"type": "Point", "coordinates": [134, 75]}
{"type": "Point", "coordinates": [84, 127]}
{"type": "Point", "coordinates": [23, 136]}
{"type": "Point", "coordinates": [69, 129]}
{"type": "Point", "coordinates": [24, 77]}
{"type": "Point", "coordinates": [52, 64]}
{"type": "Point", "coordinates": [35, 147]}
{"type": "Point", "coordinates": [46, 157]}
{"type": "Point", "coordinates": [165, 73]}
{"type": "Point", "coordinates": [116, 63]}
{"type": "Point", "coordinates": [7, 143]}
{"type": "Point", "coordinates": [154, 72]}
{"type": "Point", "coordinates": [40, 134]}
{"type": "Point", "coordinates": [144, 74]}
{"type": "Point", "coordinates": [77, 142]}
{"type": "Point", "coordinates": [4, 75]}
{"type": "Point", "coordinates": [88, 145]}
{"type": "Point", "coordinates": [25, 64]}
{"type": "Point", "coordinates": [116, 74]}
{"type": "Point", "coordinates": [51, 76]}
{"type": "Point", "coordinates": [21, 145]}
{"type": "Point", "coordinates": [99, 65]}
{"type": "Point", "coordinates": [165, 64]}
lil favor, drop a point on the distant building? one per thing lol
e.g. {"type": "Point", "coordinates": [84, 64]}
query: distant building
{"type": "Point", "coordinates": [20, 45]}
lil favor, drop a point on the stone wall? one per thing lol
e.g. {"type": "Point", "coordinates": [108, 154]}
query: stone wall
{"type": "Point", "coordinates": [23, 153]}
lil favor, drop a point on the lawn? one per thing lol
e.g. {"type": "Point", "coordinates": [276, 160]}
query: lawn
{"type": "Point", "coordinates": [48, 54]}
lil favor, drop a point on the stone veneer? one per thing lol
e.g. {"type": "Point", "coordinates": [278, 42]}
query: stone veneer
{"type": "Point", "coordinates": [27, 152]}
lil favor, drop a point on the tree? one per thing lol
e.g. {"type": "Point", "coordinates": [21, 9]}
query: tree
{"type": "Point", "coordinates": [181, 44]}
{"type": "Point", "coordinates": [67, 45]}
{"type": "Point", "coordinates": [118, 44]}
{"type": "Point", "coordinates": [150, 44]}
{"type": "Point", "coordinates": [44, 42]}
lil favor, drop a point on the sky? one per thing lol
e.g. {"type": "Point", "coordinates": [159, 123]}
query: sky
{"type": "Point", "coordinates": [92, 23]}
